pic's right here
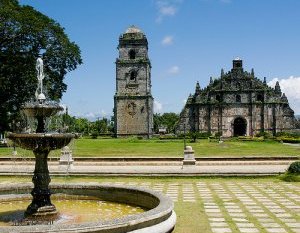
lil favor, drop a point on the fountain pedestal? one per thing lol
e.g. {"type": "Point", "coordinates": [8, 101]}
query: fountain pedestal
{"type": "Point", "coordinates": [41, 144]}
{"type": "Point", "coordinates": [41, 204]}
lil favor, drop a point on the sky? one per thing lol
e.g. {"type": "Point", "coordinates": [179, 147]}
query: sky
{"type": "Point", "coordinates": [189, 41]}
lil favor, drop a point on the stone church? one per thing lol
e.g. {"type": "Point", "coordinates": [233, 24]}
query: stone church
{"type": "Point", "coordinates": [133, 101]}
{"type": "Point", "coordinates": [237, 104]}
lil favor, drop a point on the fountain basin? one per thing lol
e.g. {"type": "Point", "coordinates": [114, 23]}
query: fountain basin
{"type": "Point", "coordinates": [45, 109]}
{"type": "Point", "coordinates": [160, 217]}
{"type": "Point", "coordinates": [43, 141]}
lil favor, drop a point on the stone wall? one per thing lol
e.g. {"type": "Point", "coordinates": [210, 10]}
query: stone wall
{"type": "Point", "coordinates": [133, 102]}
{"type": "Point", "coordinates": [133, 116]}
{"type": "Point", "coordinates": [237, 95]}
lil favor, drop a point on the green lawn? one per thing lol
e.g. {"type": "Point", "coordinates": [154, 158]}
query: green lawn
{"type": "Point", "coordinates": [169, 148]}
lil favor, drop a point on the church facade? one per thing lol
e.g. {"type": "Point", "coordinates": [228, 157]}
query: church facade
{"type": "Point", "coordinates": [133, 101]}
{"type": "Point", "coordinates": [237, 104]}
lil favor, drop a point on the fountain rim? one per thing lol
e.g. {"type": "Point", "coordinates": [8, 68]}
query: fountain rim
{"type": "Point", "coordinates": [160, 213]}
{"type": "Point", "coordinates": [40, 135]}
{"type": "Point", "coordinates": [33, 105]}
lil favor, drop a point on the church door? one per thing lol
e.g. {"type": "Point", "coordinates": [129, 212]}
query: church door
{"type": "Point", "coordinates": [239, 127]}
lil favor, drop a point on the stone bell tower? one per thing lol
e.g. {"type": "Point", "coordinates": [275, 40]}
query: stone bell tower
{"type": "Point", "coordinates": [133, 102]}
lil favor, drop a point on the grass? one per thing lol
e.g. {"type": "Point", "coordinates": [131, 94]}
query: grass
{"type": "Point", "coordinates": [132, 147]}
{"type": "Point", "coordinates": [289, 177]}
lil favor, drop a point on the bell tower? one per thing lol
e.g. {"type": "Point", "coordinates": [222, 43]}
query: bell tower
{"type": "Point", "coordinates": [133, 101]}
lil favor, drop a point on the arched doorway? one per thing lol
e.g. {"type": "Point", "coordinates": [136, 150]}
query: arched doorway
{"type": "Point", "coordinates": [239, 127]}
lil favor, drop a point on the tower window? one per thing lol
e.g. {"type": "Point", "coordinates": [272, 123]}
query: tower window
{"type": "Point", "coordinates": [260, 98]}
{"type": "Point", "coordinates": [237, 63]}
{"type": "Point", "coordinates": [132, 54]}
{"type": "Point", "coordinates": [238, 98]}
{"type": "Point", "coordinates": [133, 75]}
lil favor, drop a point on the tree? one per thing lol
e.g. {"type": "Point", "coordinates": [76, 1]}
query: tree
{"type": "Point", "coordinates": [103, 125]}
{"type": "Point", "coordinates": [168, 120]}
{"type": "Point", "coordinates": [156, 122]}
{"type": "Point", "coordinates": [26, 34]}
{"type": "Point", "coordinates": [82, 125]}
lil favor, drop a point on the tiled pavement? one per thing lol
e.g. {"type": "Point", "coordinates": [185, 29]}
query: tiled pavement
{"type": "Point", "coordinates": [238, 206]}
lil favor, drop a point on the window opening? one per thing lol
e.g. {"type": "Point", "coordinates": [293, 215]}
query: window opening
{"type": "Point", "coordinates": [132, 54]}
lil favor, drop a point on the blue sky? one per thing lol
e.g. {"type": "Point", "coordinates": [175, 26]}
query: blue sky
{"type": "Point", "coordinates": [189, 41]}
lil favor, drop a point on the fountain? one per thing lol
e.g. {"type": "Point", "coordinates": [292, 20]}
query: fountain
{"type": "Point", "coordinates": [158, 215]}
{"type": "Point", "coordinates": [41, 143]}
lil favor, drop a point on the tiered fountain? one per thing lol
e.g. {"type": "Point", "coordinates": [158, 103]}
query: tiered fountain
{"type": "Point", "coordinates": [41, 143]}
{"type": "Point", "coordinates": [157, 215]}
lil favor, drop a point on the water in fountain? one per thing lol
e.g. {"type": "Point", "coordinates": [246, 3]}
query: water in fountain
{"type": "Point", "coordinates": [72, 209]}
{"type": "Point", "coordinates": [41, 143]}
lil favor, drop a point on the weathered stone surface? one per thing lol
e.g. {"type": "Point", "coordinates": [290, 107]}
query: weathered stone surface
{"type": "Point", "coordinates": [189, 156]}
{"type": "Point", "coordinates": [221, 230]}
{"type": "Point", "coordinates": [237, 104]}
{"type": "Point", "coordinates": [66, 157]}
{"type": "Point", "coordinates": [133, 101]}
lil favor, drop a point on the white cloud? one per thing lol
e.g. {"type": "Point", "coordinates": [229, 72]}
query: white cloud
{"type": "Point", "coordinates": [173, 70]}
{"type": "Point", "coordinates": [166, 8]}
{"type": "Point", "coordinates": [291, 87]}
{"type": "Point", "coordinates": [157, 107]}
{"type": "Point", "coordinates": [89, 115]}
{"type": "Point", "coordinates": [167, 40]}
{"type": "Point", "coordinates": [103, 113]}
{"type": "Point", "coordinates": [92, 116]}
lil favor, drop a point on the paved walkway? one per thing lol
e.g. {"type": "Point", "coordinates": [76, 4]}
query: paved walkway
{"type": "Point", "coordinates": [231, 206]}
{"type": "Point", "coordinates": [153, 168]}
{"type": "Point", "coordinates": [235, 206]}
{"type": "Point", "coordinates": [224, 205]}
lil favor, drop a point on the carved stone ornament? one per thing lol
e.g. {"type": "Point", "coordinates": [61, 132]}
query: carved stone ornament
{"type": "Point", "coordinates": [131, 109]}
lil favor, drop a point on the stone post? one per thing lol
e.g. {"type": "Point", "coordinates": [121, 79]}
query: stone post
{"type": "Point", "coordinates": [66, 158]}
{"type": "Point", "coordinates": [189, 156]}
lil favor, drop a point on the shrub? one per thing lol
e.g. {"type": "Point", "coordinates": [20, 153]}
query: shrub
{"type": "Point", "coordinates": [245, 138]}
{"type": "Point", "coordinates": [288, 134]}
{"type": "Point", "coordinates": [192, 135]}
{"type": "Point", "coordinates": [289, 177]}
{"type": "Point", "coordinates": [258, 139]}
{"type": "Point", "coordinates": [94, 134]}
{"type": "Point", "coordinates": [218, 134]}
{"type": "Point", "coordinates": [294, 168]}
{"type": "Point", "coordinates": [249, 138]}
{"type": "Point", "coordinates": [264, 134]}
{"type": "Point", "coordinates": [204, 135]}
{"type": "Point", "coordinates": [288, 140]}
{"type": "Point", "coordinates": [167, 137]}
{"type": "Point", "coordinates": [293, 173]}
{"type": "Point", "coordinates": [134, 139]}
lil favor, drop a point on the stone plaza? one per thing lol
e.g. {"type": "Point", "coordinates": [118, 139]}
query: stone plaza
{"type": "Point", "coordinates": [244, 206]}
